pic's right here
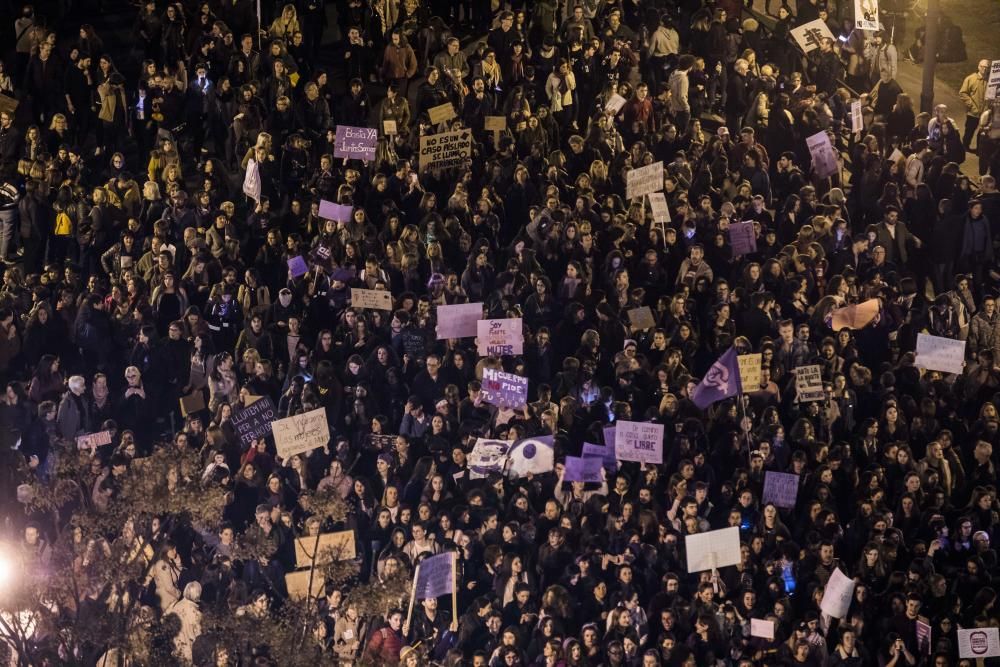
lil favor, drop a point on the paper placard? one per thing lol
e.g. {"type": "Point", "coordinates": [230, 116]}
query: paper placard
{"type": "Point", "coordinates": [488, 456]}
{"type": "Point", "coordinates": [93, 440]}
{"type": "Point", "coordinates": [641, 318]}
{"type": "Point", "coordinates": [712, 550]}
{"type": "Point", "coordinates": [742, 238]}
{"type": "Point", "coordinates": [389, 127]}
{"type": "Point", "coordinates": [639, 441]}
{"type": "Point", "coordinates": [896, 155]}
{"type": "Point", "coordinates": [979, 643]}
{"type": "Point", "coordinates": [809, 35]}
{"type": "Point", "coordinates": [495, 123]}
{"type": "Point", "coordinates": [442, 113]}
{"type": "Point", "coordinates": [372, 299]}
{"type": "Point", "coordinates": [435, 576]}
{"type": "Point", "coordinates": [940, 354]}
{"type": "Point", "coordinates": [331, 546]}
{"type": "Point", "coordinates": [923, 636]}
{"type": "Point", "coordinates": [499, 338]}
{"type": "Point", "coordinates": [534, 456]}
{"type": "Point", "coordinates": [824, 158]}
{"type": "Point", "coordinates": [445, 149]}
{"type": "Point", "coordinates": [644, 180]}
{"type": "Point", "coordinates": [460, 320]}
{"type": "Point", "coordinates": [605, 454]}
{"type": "Point", "coordinates": [381, 442]}
{"type": "Point", "coordinates": [781, 488]}
{"type": "Point", "coordinates": [658, 205]}
{"type": "Point", "coordinates": [614, 104]}
{"type": "Point", "coordinates": [837, 595]}
{"type": "Point", "coordinates": [297, 266]}
{"type": "Point", "coordinates": [254, 421]}
{"type": "Point", "coordinates": [583, 470]}
{"type": "Point", "coordinates": [192, 403]}
{"type": "Point", "coordinates": [749, 371]}
{"type": "Point", "coordinates": [301, 433]}
{"type": "Point", "coordinates": [866, 14]}
{"type": "Point", "coordinates": [355, 143]}
{"type": "Point", "coordinates": [857, 120]}
{"type": "Point", "coordinates": [809, 383]}
{"type": "Point", "coordinates": [329, 210]}
{"type": "Point", "coordinates": [297, 584]}
{"type": "Point", "coordinates": [504, 389]}
{"type": "Point", "coordinates": [761, 628]}
{"type": "Point", "coordinates": [993, 83]}
{"type": "Point", "coordinates": [856, 316]}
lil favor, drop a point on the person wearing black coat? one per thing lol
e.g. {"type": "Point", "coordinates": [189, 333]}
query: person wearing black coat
{"type": "Point", "coordinates": [36, 219]}
{"type": "Point", "coordinates": [944, 246]}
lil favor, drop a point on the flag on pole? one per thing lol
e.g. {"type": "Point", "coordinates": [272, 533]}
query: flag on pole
{"type": "Point", "coordinates": [435, 576]}
{"type": "Point", "coordinates": [531, 455]}
{"type": "Point", "coordinates": [720, 382]}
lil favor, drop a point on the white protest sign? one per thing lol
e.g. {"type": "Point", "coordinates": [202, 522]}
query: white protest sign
{"type": "Point", "coordinates": [837, 595]}
{"type": "Point", "coordinates": [809, 383]}
{"type": "Point", "coordinates": [251, 181]}
{"type": "Point", "coordinates": [761, 628]}
{"type": "Point", "coordinates": [993, 84]}
{"type": "Point", "coordinates": [460, 320]}
{"type": "Point", "coordinates": [93, 440]}
{"type": "Point", "coordinates": [896, 155]}
{"type": "Point", "coordinates": [442, 113]}
{"type": "Point", "coordinates": [644, 180]}
{"type": "Point", "coordinates": [940, 354]}
{"type": "Point", "coordinates": [372, 299]}
{"type": "Point", "coordinates": [499, 338]}
{"type": "Point", "coordinates": [300, 433]}
{"type": "Point", "coordinates": [809, 35]}
{"type": "Point", "coordinates": [338, 546]}
{"type": "Point", "coordinates": [866, 14]}
{"type": "Point", "coordinates": [445, 150]}
{"type": "Point", "coordinates": [712, 550]}
{"type": "Point", "coordinates": [824, 158]}
{"type": "Point", "coordinates": [979, 643]}
{"type": "Point", "coordinates": [488, 456]}
{"type": "Point", "coordinates": [658, 205]}
{"type": "Point", "coordinates": [857, 120]}
{"type": "Point", "coordinates": [749, 371]}
{"type": "Point", "coordinates": [614, 104]}
{"type": "Point", "coordinates": [639, 441]}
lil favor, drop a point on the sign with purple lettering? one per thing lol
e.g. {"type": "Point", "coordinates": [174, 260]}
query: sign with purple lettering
{"type": "Point", "coordinates": [435, 576]}
{"type": "Point", "coordinates": [498, 338]}
{"type": "Point", "coordinates": [582, 470]}
{"type": "Point", "coordinates": [355, 142]}
{"type": "Point", "coordinates": [742, 238]}
{"type": "Point", "coordinates": [331, 211]}
{"type": "Point", "coordinates": [504, 389]}
{"type": "Point", "coordinates": [639, 441]}
{"type": "Point", "coordinates": [606, 454]}
{"type": "Point", "coordinates": [297, 266]}
{"type": "Point", "coordinates": [781, 488]}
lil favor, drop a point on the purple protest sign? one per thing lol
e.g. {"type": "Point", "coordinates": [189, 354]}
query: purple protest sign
{"type": "Point", "coordinates": [506, 389]}
{"type": "Point", "coordinates": [742, 238]}
{"type": "Point", "coordinates": [781, 488]}
{"type": "Point", "coordinates": [606, 454]}
{"type": "Point", "coordinates": [435, 576]}
{"type": "Point", "coordinates": [609, 436]}
{"type": "Point", "coordinates": [331, 211]}
{"type": "Point", "coordinates": [297, 266]}
{"type": "Point", "coordinates": [355, 143]}
{"type": "Point", "coordinates": [583, 469]}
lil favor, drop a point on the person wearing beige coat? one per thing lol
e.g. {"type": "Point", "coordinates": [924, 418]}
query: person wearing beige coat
{"type": "Point", "coordinates": [973, 96]}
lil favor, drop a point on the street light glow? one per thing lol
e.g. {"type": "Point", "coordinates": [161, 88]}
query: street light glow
{"type": "Point", "coordinates": [6, 570]}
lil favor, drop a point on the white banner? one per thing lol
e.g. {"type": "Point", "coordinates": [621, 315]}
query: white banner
{"type": "Point", "coordinates": [761, 628]}
{"type": "Point", "coordinates": [993, 85]}
{"type": "Point", "coordinates": [445, 150]}
{"type": "Point", "coordinates": [658, 205]}
{"type": "Point", "coordinates": [857, 120]}
{"type": "Point", "coordinates": [824, 158]}
{"type": "Point", "coordinates": [940, 354]}
{"type": "Point", "coordinates": [644, 180]}
{"type": "Point", "coordinates": [979, 643]}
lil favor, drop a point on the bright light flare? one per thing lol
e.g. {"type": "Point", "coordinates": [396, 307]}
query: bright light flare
{"type": "Point", "coordinates": [6, 570]}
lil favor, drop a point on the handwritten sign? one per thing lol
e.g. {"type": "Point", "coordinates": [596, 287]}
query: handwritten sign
{"type": "Point", "coordinates": [583, 470]}
{"type": "Point", "coordinates": [810, 35]}
{"type": "Point", "coordinates": [641, 318]}
{"type": "Point", "coordinates": [658, 205]}
{"type": "Point", "coordinates": [504, 389]}
{"type": "Point", "coordinates": [639, 441]}
{"type": "Point", "coordinates": [781, 488]}
{"type": "Point", "coordinates": [331, 546]}
{"type": "Point", "coordinates": [993, 84]}
{"type": "Point", "coordinates": [372, 299]}
{"type": "Point", "coordinates": [742, 238]}
{"type": "Point", "coordinates": [644, 180]}
{"type": "Point", "coordinates": [749, 371]}
{"type": "Point", "coordinates": [940, 354]}
{"type": "Point", "coordinates": [837, 595]}
{"type": "Point", "coordinates": [495, 123]}
{"type": "Point", "coordinates": [254, 421]}
{"type": "Point", "coordinates": [93, 440]}
{"type": "Point", "coordinates": [442, 113]}
{"type": "Point", "coordinates": [381, 442]}
{"type": "Point", "coordinates": [979, 643]}
{"type": "Point", "coordinates": [712, 550]}
{"type": "Point", "coordinates": [297, 266]}
{"type": "Point", "coordinates": [614, 104]}
{"type": "Point", "coordinates": [459, 320]}
{"type": "Point", "coordinates": [251, 180]}
{"type": "Point", "coordinates": [857, 120]}
{"type": "Point", "coordinates": [301, 433]}
{"type": "Point", "coordinates": [329, 210]}
{"type": "Point", "coordinates": [445, 149]}
{"type": "Point", "coordinates": [297, 584]}
{"type": "Point", "coordinates": [762, 628]}
{"type": "Point", "coordinates": [866, 14]}
{"type": "Point", "coordinates": [8, 103]}
{"type": "Point", "coordinates": [855, 316]}
{"type": "Point", "coordinates": [605, 454]}
{"type": "Point", "coordinates": [355, 143]}
{"type": "Point", "coordinates": [498, 338]}
{"type": "Point", "coordinates": [809, 383]}
{"type": "Point", "coordinates": [824, 158]}
{"type": "Point", "coordinates": [389, 127]}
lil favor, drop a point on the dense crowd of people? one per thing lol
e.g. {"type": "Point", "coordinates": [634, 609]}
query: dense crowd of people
{"type": "Point", "coordinates": [142, 269]}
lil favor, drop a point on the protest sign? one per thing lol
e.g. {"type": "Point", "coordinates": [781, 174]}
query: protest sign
{"type": "Point", "coordinates": [498, 338]}
{"type": "Point", "coordinates": [93, 440]}
{"type": "Point", "coordinates": [8, 104]}
{"type": "Point", "coordinates": [855, 316]}
{"type": "Point", "coordinates": [857, 120]}
{"type": "Point", "coordinates": [254, 421]}
{"type": "Point", "coordinates": [445, 150]}
{"type": "Point", "coordinates": [896, 155]}
{"type": "Point", "coordinates": [504, 389]}
{"type": "Point", "coordinates": [979, 643]}
{"type": "Point", "coordinates": [641, 318]}
{"type": "Point", "coordinates": [809, 383]}
{"type": "Point", "coordinates": [866, 14]}
{"type": "Point", "coordinates": [372, 299]}
{"type": "Point", "coordinates": [381, 442]}
{"type": "Point", "coordinates": [535, 456]}
{"type": "Point", "coordinates": [297, 266]}
{"type": "Point", "coordinates": [605, 454]}
{"type": "Point", "coordinates": [781, 488]}
{"type": "Point", "coordinates": [459, 320]}
{"type": "Point", "coordinates": [809, 35]}
{"type": "Point", "coordinates": [355, 143]}
{"type": "Point", "coordinates": [331, 546]}
{"type": "Point", "coordinates": [488, 456]}
{"type": "Point", "coordinates": [297, 584]}
{"type": "Point", "coordinates": [993, 84]}
{"type": "Point", "coordinates": [824, 157]}
{"type": "Point", "coordinates": [442, 113]}
{"type": "Point", "coordinates": [923, 635]}
{"type": "Point", "coordinates": [192, 403]}
{"type": "Point", "coordinates": [940, 354]}
{"type": "Point", "coordinates": [495, 123]}
{"type": "Point", "coordinates": [609, 436]}
{"type": "Point", "coordinates": [329, 210]}
{"type": "Point", "coordinates": [761, 628]}
{"type": "Point", "coordinates": [322, 255]}
{"type": "Point", "coordinates": [389, 127]}
{"type": "Point", "coordinates": [639, 441]}
{"type": "Point", "coordinates": [435, 576]}
{"type": "Point", "coordinates": [712, 550]}
{"type": "Point", "coordinates": [251, 180]}
{"type": "Point", "coordinates": [614, 104]}
{"type": "Point", "coordinates": [583, 469]}
{"type": "Point", "coordinates": [742, 238]}
{"type": "Point", "coordinates": [644, 180]}
{"type": "Point", "coordinates": [749, 371]}
{"type": "Point", "coordinates": [301, 433]}
{"type": "Point", "coordinates": [837, 595]}
{"type": "Point", "coordinates": [658, 205]}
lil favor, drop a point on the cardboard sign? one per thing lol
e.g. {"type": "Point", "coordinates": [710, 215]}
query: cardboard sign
{"type": "Point", "coordinates": [742, 238]}
{"type": "Point", "coordinates": [372, 299]}
{"type": "Point", "coordinates": [297, 266]}
{"type": "Point", "coordinates": [856, 316]}
{"type": "Point", "coordinates": [809, 35]}
{"type": "Point", "coordinates": [712, 550]}
{"type": "Point", "coordinates": [8, 104]}
{"type": "Point", "coordinates": [639, 441]}
{"type": "Point", "coordinates": [658, 205]}
{"type": "Point", "coordinates": [504, 389]}
{"type": "Point", "coordinates": [192, 403]}
{"type": "Point", "coordinates": [583, 470]}
{"type": "Point", "coordinates": [445, 150]}
{"type": "Point", "coordinates": [499, 338]}
{"type": "Point", "coordinates": [495, 123]}
{"type": "Point", "coordinates": [993, 84]}
{"type": "Point", "coordinates": [328, 210]}
{"type": "Point", "coordinates": [940, 354]}
{"type": "Point", "coordinates": [866, 14]}
{"type": "Point", "coordinates": [357, 143]}
{"type": "Point", "coordinates": [605, 454]}
{"type": "Point", "coordinates": [297, 584]}
{"type": "Point", "coordinates": [93, 440]}
{"type": "Point", "coordinates": [301, 433]}
{"type": "Point", "coordinates": [460, 320]}
{"type": "Point", "coordinates": [488, 456]}
{"type": "Point", "coordinates": [614, 104]}
{"type": "Point", "coordinates": [809, 383]}
{"type": "Point", "coordinates": [254, 421]}
{"type": "Point", "coordinates": [749, 371]}
{"type": "Point", "coordinates": [641, 318]}
{"type": "Point", "coordinates": [389, 127]}
{"type": "Point", "coordinates": [837, 595]}
{"type": "Point", "coordinates": [435, 576]}
{"type": "Point", "coordinates": [824, 158]}
{"type": "Point", "coordinates": [857, 120]}
{"type": "Point", "coordinates": [781, 488]}
{"type": "Point", "coordinates": [979, 643]}
{"type": "Point", "coordinates": [442, 113]}
{"type": "Point", "coordinates": [331, 546]}
{"type": "Point", "coordinates": [761, 628]}
{"type": "Point", "coordinates": [644, 180]}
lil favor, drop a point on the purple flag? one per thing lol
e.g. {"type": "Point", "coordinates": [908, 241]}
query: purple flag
{"type": "Point", "coordinates": [721, 381]}
{"type": "Point", "coordinates": [435, 576]}
{"type": "Point", "coordinates": [583, 469]}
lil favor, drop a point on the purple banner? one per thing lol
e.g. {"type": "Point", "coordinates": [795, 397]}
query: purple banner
{"type": "Point", "coordinates": [297, 266]}
{"type": "Point", "coordinates": [742, 238]}
{"type": "Point", "coordinates": [606, 454]}
{"type": "Point", "coordinates": [331, 211]}
{"type": "Point", "coordinates": [435, 576]}
{"type": "Point", "coordinates": [355, 143]}
{"type": "Point", "coordinates": [583, 469]}
{"type": "Point", "coordinates": [781, 488]}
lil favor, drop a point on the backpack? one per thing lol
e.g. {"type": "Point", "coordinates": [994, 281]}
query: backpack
{"type": "Point", "coordinates": [64, 224]}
